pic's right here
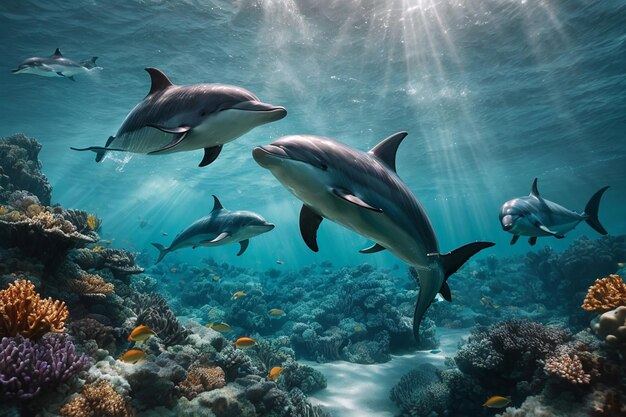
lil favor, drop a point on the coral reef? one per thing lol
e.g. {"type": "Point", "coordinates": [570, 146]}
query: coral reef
{"type": "Point", "coordinates": [120, 262]}
{"type": "Point", "coordinates": [27, 367]}
{"type": "Point", "coordinates": [421, 393]}
{"type": "Point", "coordinates": [200, 379]}
{"type": "Point", "coordinates": [152, 310]}
{"type": "Point", "coordinates": [91, 286]}
{"type": "Point", "coordinates": [566, 364]}
{"type": "Point", "coordinates": [606, 294]}
{"type": "Point", "coordinates": [21, 170]}
{"type": "Point", "coordinates": [97, 399]}
{"type": "Point", "coordinates": [611, 326]}
{"type": "Point", "coordinates": [23, 312]}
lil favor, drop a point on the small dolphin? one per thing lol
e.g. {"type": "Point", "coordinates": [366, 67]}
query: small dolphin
{"type": "Point", "coordinates": [220, 227]}
{"type": "Point", "coordinates": [363, 192]}
{"type": "Point", "coordinates": [183, 118]}
{"type": "Point", "coordinates": [56, 65]}
{"type": "Point", "coordinates": [535, 216]}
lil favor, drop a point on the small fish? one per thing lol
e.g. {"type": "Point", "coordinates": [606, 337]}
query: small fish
{"type": "Point", "coordinates": [279, 262]}
{"type": "Point", "coordinates": [215, 277]}
{"type": "Point", "coordinates": [488, 302]}
{"type": "Point", "coordinates": [133, 356]}
{"type": "Point", "coordinates": [497, 402]}
{"type": "Point", "coordinates": [219, 327]}
{"type": "Point", "coordinates": [92, 221]}
{"type": "Point", "coordinates": [140, 334]}
{"type": "Point", "coordinates": [165, 233]}
{"type": "Point", "coordinates": [358, 328]}
{"type": "Point", "coordinates": [276, 312]}
{"type": "Point", "coordinates": [97, 248]}
{"type": "Point", "coordinates": [173, 270]}
{"type": "Point", "coordinates": [107, 241]}
{"type": "Point", "coordinates": [620, 265]}
{"type": "Point", "coordinates": [143, 223]}
{"type": "Point", "coordinates": [237, 295]}
{"type": "Point", "coordinates": [244, 342]}
{"type": "Point", "coordinates": [435, 351]}
{"type": "Point", "coordinates": [274, 373]}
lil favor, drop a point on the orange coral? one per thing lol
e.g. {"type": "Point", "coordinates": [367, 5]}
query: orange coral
{"type": "Point", "coordinates": [567, 365]}
{"type": "Point", "coordinates": [97, 399]}
{"type": "Point", "coordinates": [90, 285]}
{"type": "Point", "coordinates": [200, 379]}
{"type": "Point", "coordinates": [22, 311]}
{"type": "Point", "coordinates": [606, 294]}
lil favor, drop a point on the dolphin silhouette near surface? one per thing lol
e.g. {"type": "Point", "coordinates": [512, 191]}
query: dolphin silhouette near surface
{"type": "Point", "coordinates": [220, 227]}
{"type": "Point", "coordinates": [175, 118]}
{"type": "Point", "coordinates": [534, 216]}
{"type": "Point", "coordinates": [362, 191]}
{"type": "Point", "coordinates": [56, 65]}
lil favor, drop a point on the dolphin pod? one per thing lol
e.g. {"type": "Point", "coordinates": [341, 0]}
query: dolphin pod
{"type": "Point", "coordinates": [175, 118]}
{"type": "Point", "coordinates": [362, 192]}
{"type": "Point", "coordinates": [56, 65]}
{"type": "Point", "coordinates": [220, 227]}
{"type": "Point", "coordinates": [535, 216]}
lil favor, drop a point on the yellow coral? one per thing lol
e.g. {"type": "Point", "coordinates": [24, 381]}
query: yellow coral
{"type": "Point", "coordinates": [97, 399]}
{"type": "Point", "coordinates": [3, 210]}
{"type": "Point", "coordinates": [93, 222]}
{"type": "Point", "coordinates": [22, 311]}
{"type": "Point", "coordinates": [90, 285]}
{"type": "Point", "coordinates": [606, 294]}
{"type": "Point", "coordinates": [200, 379]}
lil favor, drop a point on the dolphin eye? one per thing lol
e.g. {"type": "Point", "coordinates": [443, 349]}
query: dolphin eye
{"type": "Point", "coordinates": [202, 113]}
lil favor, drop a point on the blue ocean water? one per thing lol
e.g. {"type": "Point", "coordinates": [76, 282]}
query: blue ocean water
{"type": "Point", "coordinates": [493, 93]}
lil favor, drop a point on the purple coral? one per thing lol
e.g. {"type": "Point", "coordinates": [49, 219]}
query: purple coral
{"type": "Point", "coordinates": [27, 367]}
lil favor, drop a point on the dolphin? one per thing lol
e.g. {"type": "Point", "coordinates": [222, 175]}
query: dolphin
{"type": "Point", "coordinates": [56, 65]}
{"type": "Point", "coordinates": [183, 118]}
{"type": "Point", "coordinates": [535, 216]}
{"type": "Point", "coordinates": [362, 191]}
{"type": "Point", "coordinates": [220, 227]}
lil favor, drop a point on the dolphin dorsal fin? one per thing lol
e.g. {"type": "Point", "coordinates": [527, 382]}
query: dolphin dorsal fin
{"type": "Point", "coordinates": [534, 190]}
{"type": "Point", "coordinates": [216, 204]}
{"type": "Point", "coordinates": [386, 150]}
{"type": "Point", "coordinates": [57, 52]}
{"type": "Point", "coordinates": [160, 81]}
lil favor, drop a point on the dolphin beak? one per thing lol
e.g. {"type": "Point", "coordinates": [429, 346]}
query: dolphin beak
{"type": "Point", "coordinates": [267, 155]}
{"type": "Point", "coordinates": [270, 226]}
{"type": "Point", "coordinates": [272, 112]}
{"type": "Point", "coordinates": [507, 222]}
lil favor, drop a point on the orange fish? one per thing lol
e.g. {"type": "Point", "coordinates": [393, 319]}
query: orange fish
{"type": "Point", "coordinates": [133, 356]}
{"type": "Point", "coordinates": [244, 342]}
{"type": "Point", "coordinates": [274, 373]}
{"type": "Point", "coordinates": [140, 334]}
{"type": "Point", "coordinates": [497, 402]}
{"type": "Point", "coordinates": [238, 294]}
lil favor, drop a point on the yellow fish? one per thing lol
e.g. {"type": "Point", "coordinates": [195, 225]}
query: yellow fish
{"type": "Point", "coordinates": [108, 242]}
{"type": "Point", "coordinates": [133, 356]}
{"type": "Point", "coordinates": [92, 221]}
{"type": "Point", "coordinates": [497, 402]}
{"type": "Point", "coordinates": [358, 328]}
{"type": "Point", "coordinates": [276, 312]}
{"type": "Point", "coordinates": [219, 327]}
{"type": "Point", "coordinates": [215, 277]}
{"type": "Point", "coordinates": [140, 334]}
{"type": "Point", "coordinates": [97, 248]}
{"type": "Point", "coordinates": [244, 342]}
{"type": "Point", "coordinates": [620, 265]}
{"type": "Point", "coordinates": [173, 270]}
{"type": "Point", "coordinates": [274, 373]}
{"type": "Point", "coordinates": [238, 294]}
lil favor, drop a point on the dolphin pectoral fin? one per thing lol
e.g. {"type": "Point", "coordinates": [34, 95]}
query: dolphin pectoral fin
{"type": "Point", "coordinates": [219, 238]}
{"type": "Point", "coordinates": [244, 245]}
{"type": "Point", "coordinates": [309, 223]}
{"type": "Point", "coordinates": [532, 240]}
{"type": "Point", "coordinates": [179, 135]}
{"type": "Point", "coordinates": [445, 292]}
{"type": "Point", "coordinates": [351, 198]}
{"type": "Point", "coordinates": [514, 239]}
{"type": "Point", "coordinates": [210, 155]}
{"type": "Point", "coordinates": [71, 77]}
{"type": "Point", "coordinates": [544, 229]}
{"type": "Point", "coordinates": [373, 249]}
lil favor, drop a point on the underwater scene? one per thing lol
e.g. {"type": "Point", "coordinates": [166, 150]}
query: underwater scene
{"type": "Point", "coordinates": [301, 208]}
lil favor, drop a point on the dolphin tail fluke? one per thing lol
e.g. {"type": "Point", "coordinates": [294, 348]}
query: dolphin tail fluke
{"type": "Point", "coordinates": [591, 210]}
{"type": "Point", "coordinates": [162, 252]}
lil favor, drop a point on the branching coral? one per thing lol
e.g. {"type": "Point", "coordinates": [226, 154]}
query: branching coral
{"type": "Point", "coordinates": [22, 311]}
{"type": "Point", "coordinates": [97, 399]}
{"type": "Point", "coordinates": [91, 286]}
{"type": "Point", "coordinates": [153, 311]}
{"type": "Point", "coordinates": [200, 379]}
{"type": "Point", "coordinates": [565, 364]}
{"type": "Point", "coordinates": [27, 367]}
{"type": "Point", "coordinates": [606, 294]}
